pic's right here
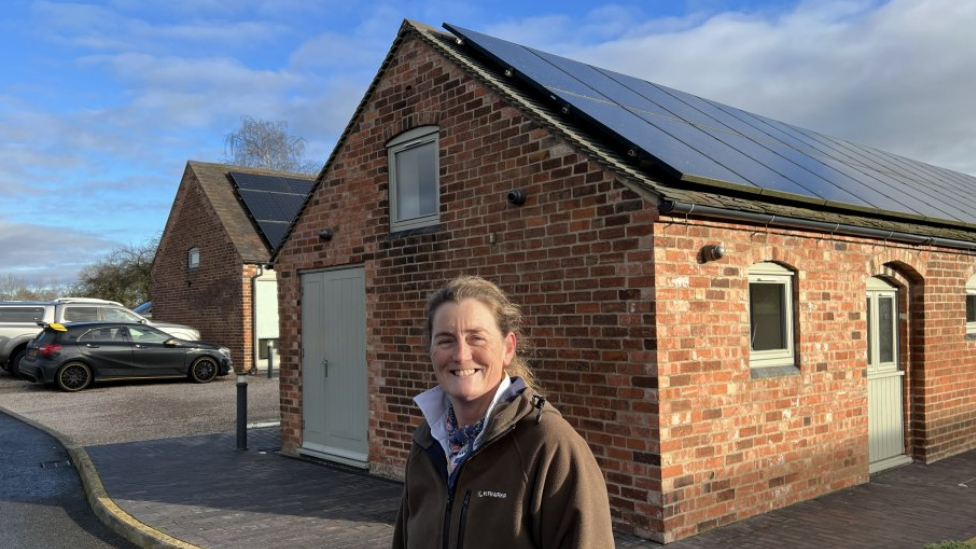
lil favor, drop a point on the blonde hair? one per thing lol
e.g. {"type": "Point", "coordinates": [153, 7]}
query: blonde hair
{"type": "Point", "coordinates": [507, 315]}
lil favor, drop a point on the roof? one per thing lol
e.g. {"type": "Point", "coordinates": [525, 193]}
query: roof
{"type": "Point", "coordinates": [242, 227]}
{"type": "Point", "coordinates": [707, 144]}
{"type": "Point", "coordinates": [726, 158]}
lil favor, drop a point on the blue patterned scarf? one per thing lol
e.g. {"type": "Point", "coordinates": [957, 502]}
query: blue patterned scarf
{"type": "Point", "coordinates": [461, 441]}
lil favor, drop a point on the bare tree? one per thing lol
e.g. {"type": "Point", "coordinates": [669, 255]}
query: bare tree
{"type": "Point", "coordinates": [14, 288]}
{"type": "Point", "coordinates": [123, 276]}
{"type": "Point", "coordinates": [264, 144]}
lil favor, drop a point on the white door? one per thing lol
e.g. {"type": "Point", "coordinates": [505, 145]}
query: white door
{"type": "Point", "coordinates": [334, 392]}
{"type": "Point", "coordinates": [886, 423]}
{"type": "Point", "coordinates": [265, 317]}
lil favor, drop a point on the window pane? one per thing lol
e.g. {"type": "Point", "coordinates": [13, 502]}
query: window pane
{"type": "Point", "coordinates": [416, 182]}
{"type": "Point", "coordinates": [971, 308]}
{"type": "Point", "coordinates": [72, 314]}
{"type": "Point", "coordinates": [767, 316]}
{"type": "Point", "coordinates": [102, 335]}
{"type": "Point", "coordinates": [148, 335]}
{"type": "Point", "coordinates": [21, 314]}
{"type": "Point", "coordinates": [118, 315]}
{"type": "Point", "coordinates": [886, 329]}
{"type": "Point", "coordinates": [870, 335]}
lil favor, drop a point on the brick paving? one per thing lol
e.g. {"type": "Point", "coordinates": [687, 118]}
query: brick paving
{"type": "Point", "coordinates": [201, 490]}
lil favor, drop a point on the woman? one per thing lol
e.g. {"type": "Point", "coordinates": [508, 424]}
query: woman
{"type": "Point", "coordinates": [493, 464]}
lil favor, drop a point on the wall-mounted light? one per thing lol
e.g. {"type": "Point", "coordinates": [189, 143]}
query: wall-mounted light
{"type": "Point", "coordinates": [712, 252]}
{"type": "Point", "coordinates": [325, 235]}
{"type": "Point", "coordinates": [516, 197]}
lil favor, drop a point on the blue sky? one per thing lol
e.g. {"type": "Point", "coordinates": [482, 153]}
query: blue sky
{"type": "Point", "coordinates": [102, 103]}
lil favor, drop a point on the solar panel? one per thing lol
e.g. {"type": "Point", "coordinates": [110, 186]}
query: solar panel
{"type": "Point", "coordinates": [271, 201]}
{"type": "Point", "coordinates": [706, 143]}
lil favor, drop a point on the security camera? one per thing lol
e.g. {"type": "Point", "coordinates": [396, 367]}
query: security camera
{"type": "Point", "coordinates": [516, 197]}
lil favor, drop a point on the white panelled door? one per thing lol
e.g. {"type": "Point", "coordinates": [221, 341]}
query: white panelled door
{"type": "Point", "coordinates": [886, 422]}
{"type": "Point", "coordinates": [334, 391]}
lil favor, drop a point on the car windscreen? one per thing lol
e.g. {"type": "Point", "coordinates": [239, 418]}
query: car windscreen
{"type": "Point", "coordinates": [21, 314]}
{"type": "Point", "coordinates": [117, 314]}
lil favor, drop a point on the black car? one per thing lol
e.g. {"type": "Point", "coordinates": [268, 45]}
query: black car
{"type": "Point", "coordinates": [74, 355]}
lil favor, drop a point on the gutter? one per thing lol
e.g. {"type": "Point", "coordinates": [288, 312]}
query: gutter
{"type": "Point", "coordinates": [670, 207]}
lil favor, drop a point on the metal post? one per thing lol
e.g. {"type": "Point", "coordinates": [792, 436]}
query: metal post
{"type": "Point", "coordinates": [271, 355]}
{"type": "Point", "coordinates": [242, 411]}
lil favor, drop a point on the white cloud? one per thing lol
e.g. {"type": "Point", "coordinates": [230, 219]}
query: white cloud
{"type": "Point", "coordinates": [118, 95]}
{"type": "Point", "coordinates": [46, 253]}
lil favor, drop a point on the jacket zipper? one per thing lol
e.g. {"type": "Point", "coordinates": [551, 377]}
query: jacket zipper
{"type": "Point", "coordinates": [467, 495]}
{"type": "Point", "coordinates": [447, 518]}
{"type": "Point", "coordinates": [463, 519]}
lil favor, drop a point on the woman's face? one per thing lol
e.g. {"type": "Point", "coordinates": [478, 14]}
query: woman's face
{"type": "Point", "coordinates": [469, 355]}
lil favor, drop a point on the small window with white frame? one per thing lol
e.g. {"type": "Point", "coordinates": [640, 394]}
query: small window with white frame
{"type": "Point", "coordinates": [770, 316]}
{"type": "Point", "coordinates": [193, 258]}
{"type": "Point", "coordinates": [414, 173]}
{"type": "Point", "coordinates": [971, 305]}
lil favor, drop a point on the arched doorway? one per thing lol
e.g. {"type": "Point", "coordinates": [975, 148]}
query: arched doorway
{"type": "Point", "coordinates": [886, 378]}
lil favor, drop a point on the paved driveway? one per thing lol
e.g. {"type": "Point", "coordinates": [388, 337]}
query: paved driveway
{"type": "Point", "coordinates": [140, 410]}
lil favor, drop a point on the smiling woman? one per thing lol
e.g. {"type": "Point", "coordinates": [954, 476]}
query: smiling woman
{"type": "Point", "coordinates": [493, 464]}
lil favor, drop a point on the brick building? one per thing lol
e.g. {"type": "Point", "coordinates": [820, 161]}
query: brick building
{"type": "Point", "coordinates": [211, 269]}
{"type": "Point", "coordinates": [725, 350]}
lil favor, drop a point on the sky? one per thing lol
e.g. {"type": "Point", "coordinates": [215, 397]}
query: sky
{"type": "Point", "coordinates": [102, 103]}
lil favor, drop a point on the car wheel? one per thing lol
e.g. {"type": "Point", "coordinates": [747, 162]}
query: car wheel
{"type": "Point", "coordinates": [73, 376]}
{"type": "Point", "coordinates": [203, 370]}
{"type": "Point", "coordinates": [13, 366]}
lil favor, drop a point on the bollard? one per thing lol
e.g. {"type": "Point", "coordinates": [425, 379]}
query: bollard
{"type": "Point", "coordinates": [271, 355]}
{"type": "Point", "coordinates": [242, 410]}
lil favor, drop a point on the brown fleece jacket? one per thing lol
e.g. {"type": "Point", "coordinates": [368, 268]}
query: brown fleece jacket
{"type": "Point", "coordinates": [532, 483]}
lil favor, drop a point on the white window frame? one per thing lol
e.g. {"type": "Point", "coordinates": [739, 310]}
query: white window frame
{"type": "Point", "coordinates": [771, 273]}
{"type": "Point", "coordinates": [879, 289]}
{"type": "Point", "coordinates": [193, 258]}
{"type": "Point", "coordinates": [970, 292]}
{"type": "Point", "coordinates": [406, 141]}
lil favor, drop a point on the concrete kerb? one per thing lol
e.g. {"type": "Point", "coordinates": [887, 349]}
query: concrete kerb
{"type": "Point", "coordinates": [104, 507]}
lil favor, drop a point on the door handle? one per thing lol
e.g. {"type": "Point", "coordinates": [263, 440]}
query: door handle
{"type": "Point", "coordinates": [325, 364]}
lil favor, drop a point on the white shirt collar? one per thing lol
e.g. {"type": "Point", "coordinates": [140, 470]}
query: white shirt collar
{"type": "Point", "coordinates": [433, 404]}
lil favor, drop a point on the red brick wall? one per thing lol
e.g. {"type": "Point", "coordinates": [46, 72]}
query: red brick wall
{"type": "Point", "coordinates": [576, 255]}
{"type": "Point", "coordinates": [733, 446]}
{"type": "Point", "coordinates": [210, 297]}
{"type": "Point", "coordinates": [643, 348]}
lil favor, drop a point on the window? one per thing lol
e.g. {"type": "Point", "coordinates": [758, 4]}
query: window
{"type": "Point", "coordinates": [21, 314]}
{"type": "Point", "coordinates": [770, 316]}
{"type": "Point", "coordinates": [76, 313]}
{"type": "Point", "coordinates": [414, 187]}
{"type": "Point", "coordinates": [193, 258]}
{"type": "Point", "coordinates": [145, 335]}
{"type": "Point", "coordinates": [265, 345]}
{"type": "Point", "coordinates": [102, 335]}
{"type": "Point", "coordinates": [971, 305]}
{"type": "Point", "coordinates": [116, 314]}
{"type": "Point", "coordinates": [882, 317]}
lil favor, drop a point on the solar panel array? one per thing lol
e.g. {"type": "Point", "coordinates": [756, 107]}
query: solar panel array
{"type": "Point", "coordinates": [705, 142]}
{"type": "Point", "coordinates": [272, 202]}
